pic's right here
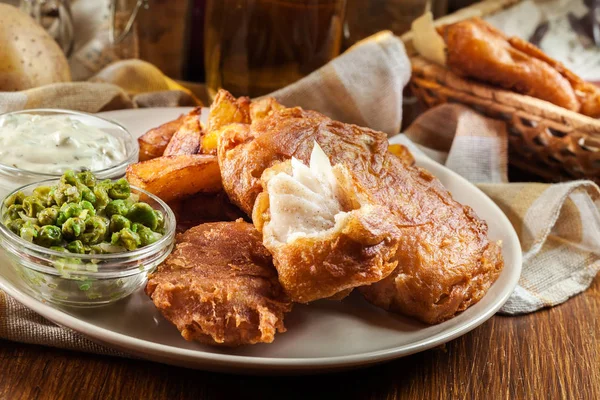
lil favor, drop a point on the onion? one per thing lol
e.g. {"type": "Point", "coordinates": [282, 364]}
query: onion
{"type": "Point", "coordinates": [25, 218]}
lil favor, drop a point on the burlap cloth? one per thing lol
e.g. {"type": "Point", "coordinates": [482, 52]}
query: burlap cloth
{"type": "Point", "coordinates": [558, 225]}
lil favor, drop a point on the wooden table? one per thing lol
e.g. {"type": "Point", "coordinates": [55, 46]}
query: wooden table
{"type": "Point", "coordinates": [551, 354]}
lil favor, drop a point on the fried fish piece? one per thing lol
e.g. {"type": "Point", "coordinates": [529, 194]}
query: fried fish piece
{"type": "Point", "coordinates": [325, 235]}
{"type": "Point", "coordinates": [478, 50]}
{"type": "Point", "coordinates": [445, 260]}
{"type": "Point", "coordinates": [219, 286]}
{"type": "Point", "coordinates": [587, 93]}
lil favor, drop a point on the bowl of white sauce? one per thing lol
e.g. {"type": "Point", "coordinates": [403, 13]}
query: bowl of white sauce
{"type": "Point", "coordinates": [43, 143]}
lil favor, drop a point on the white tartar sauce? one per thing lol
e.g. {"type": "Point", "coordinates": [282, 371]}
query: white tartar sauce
{"type": "Point", "coordinates": [54, 144]}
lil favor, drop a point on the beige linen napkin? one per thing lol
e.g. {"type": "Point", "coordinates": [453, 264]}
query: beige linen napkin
{"type": "Point", "coordinates": [124, 84]}
{"type": "Point", "coordinates": [365, 86]}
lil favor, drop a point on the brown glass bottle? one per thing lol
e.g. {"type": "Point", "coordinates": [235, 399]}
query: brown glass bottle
{"type": "Point", "coordinates": [253, 47]}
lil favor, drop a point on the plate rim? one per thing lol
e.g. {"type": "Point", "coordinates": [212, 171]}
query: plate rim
{"type": "Point", "coordinates": [206, 360]}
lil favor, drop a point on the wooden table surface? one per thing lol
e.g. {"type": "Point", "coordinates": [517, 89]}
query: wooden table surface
{"type": "Point", "coordinates": [551, 354]}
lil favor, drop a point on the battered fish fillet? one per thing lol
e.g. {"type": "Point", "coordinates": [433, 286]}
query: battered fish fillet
{"type": "Point", "coordinates": [478, 50]}
{"type": "Point", "coordinates": [325, 235]}
{"type": "Point", "coordinates": [445, 262]}
{"type": "Point", "coordinates": [219, 286]}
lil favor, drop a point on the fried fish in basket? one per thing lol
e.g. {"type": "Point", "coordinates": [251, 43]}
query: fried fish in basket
{"type": "Point", "coordinates": [477, 50]}
{"type": "Point", "coordinates": [219, 286]}
{"type": "Point", "coordinates": [445, 261]}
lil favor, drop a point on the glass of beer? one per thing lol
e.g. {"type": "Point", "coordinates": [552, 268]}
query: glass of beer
{"type": "Point", "coordinates": [254, 47]}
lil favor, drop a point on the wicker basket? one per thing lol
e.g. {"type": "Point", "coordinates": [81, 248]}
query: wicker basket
{"type": "Point", "coordinates": [547, 140]}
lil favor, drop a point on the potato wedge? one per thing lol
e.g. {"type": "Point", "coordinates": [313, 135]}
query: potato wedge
{"type": "Point", "coordinates": [210, 141]}
{"type": "Point", "coordinates": [264, 107]}
{"type": "Point", "coordinates": [174, 177]}
{"type": "Point", "coordinates": [187, 138]}
{"type": "Point", "coordinates": [226, 110]}
{"type": "Point", "coordinates": [154, 142]}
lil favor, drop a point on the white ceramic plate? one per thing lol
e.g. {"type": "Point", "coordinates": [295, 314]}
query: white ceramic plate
{"type": "Point", "coordinates": [326, 335]}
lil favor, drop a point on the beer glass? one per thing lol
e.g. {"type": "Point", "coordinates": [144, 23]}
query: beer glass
{"type": "Point", "coordinates": [253, 47]}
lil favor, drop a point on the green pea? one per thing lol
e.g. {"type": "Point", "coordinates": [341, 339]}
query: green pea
{"type": "Point", "coordinates": [160, 218]}
{"type": "Point", "coordinates": [70, 177]}
{"type": "Point", "coordinates": [144, 214]}
{"type": "Point", "coordinates": [44, 194]}
{"type": "Point", "coordinates": [116, 207]}
{"type": "Point", "coordinates": [120, 189]}
{"type": "Point", "coordinates": [49, 235]}
{"type": "Point", "coordinates": [73, 228]}
{"type": "Point", "coordinates": [101, 194]}
{"type": "Point", "coordinates": [87, 178]}
{"type": "Point", "coordinates": [88, 195]}
{"type": "Point", "coordinates": [136, 226]}
{"type": "Point", "coordinates": [29, 231]}
{"type": "Point", "coordinates": [15, 226]}
{"type": "Point", "coordinates": [15, 198]}
{"type": "Point", "coordinates": [13, 211]}
{"type": "Point", "coordinates": [48, 216]}
{"type": "Point", "coordinates": [68, 210]}
{"type": "Point", "coordinates": [147, 235]}
{"type": "Point", "coordinates": [86, 205]}
{"type": "Point", "coordinates": [71, 209]}
{"type": "Point", "coordinates": [126, 238]}
{"type": "Point", "coordinates": [76, 246]}
{"type": "Point", "coordinates": [118, 222]}
{"type": "Point", "coordinates": [95, 230]}
{"type": "Point", "coordinates": [65, 193]}
{"type": "Point", "coordinates": [32, 206]}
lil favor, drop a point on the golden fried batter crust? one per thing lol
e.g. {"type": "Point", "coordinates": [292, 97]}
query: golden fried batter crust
{"type": "Point", "coordinates": [219, 286]}
{"type": "Point", "coordinates": [445, 260]}
{"type": "Point", "coordinates": [478, 50]}
{"type": "Point", "coordinates": [359, 251]}
{"type": "Point", "coordinates": [245, 151]}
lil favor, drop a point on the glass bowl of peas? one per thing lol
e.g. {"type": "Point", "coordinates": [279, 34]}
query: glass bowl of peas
{"type": "Point", "coordinates": [83, 242]}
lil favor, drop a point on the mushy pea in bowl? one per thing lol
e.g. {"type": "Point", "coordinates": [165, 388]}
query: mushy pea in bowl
{"type": "Point", "coordinates": [80, 241]}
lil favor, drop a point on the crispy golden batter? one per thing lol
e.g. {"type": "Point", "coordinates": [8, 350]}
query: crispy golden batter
{"type": "Point", "coordinates": [352, 246]}
{"type": "Point", "coordinates": [445, 261]}
{"type": "Point", "coordinates": [402, 153]}
{"type": "Point", "coordinates": [245, 151]}
{"type": "Point", "coordinates": [219, 286]}
{"type": "Point", "coordinates": [478, 50]}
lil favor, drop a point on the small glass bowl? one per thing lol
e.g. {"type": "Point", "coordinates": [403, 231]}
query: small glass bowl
{"type": "Point", "coordinates": [86, 280]}
{"type": "Point", "coordinates": [12, 178]}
